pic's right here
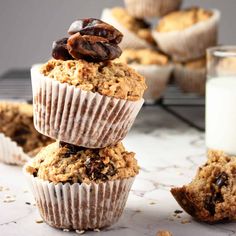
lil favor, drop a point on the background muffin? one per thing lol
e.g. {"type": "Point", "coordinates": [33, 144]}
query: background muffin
{"type": "Point", "coordinates": [191, 76]}
{"type": "Point", "coordinates": [94, 180]}
{"type": "Point", "coordinates": [136, 31]}
{"type": "Point", "coordinates": [151, 8]}
{"type": "Point", "coordinates": [19, 137]}
{"type": "Point", "coordinates": [186, 34]}
{"type": "Point", "coordinates": [154, 66]}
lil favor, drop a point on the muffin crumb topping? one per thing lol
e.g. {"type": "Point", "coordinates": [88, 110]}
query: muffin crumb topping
{"type": "Point", "coordinates": [62, 163]}
{"type": "Point", "coordinates": [107, 78]}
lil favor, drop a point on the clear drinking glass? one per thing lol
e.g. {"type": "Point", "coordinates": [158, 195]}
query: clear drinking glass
{"type": "Point", "coordinates": [221, 99]}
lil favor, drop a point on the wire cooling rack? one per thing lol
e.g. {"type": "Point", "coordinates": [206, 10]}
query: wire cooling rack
{"type": "Point", "coordinates": [16, 85]}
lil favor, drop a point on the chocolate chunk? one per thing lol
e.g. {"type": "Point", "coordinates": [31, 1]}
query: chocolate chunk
{"type": "Point", "coordinates": [209, 205]}
{"type": "Point", "coordinates": [95, 27]}
{"type": "Point", "coordinates": [92, 48]}
{"type": "Point", "coordinates": [96, 169]}
{"type": "Point", "coordinates": [222, 180]}
{"type": "Point", "coordinates": [142, 23]}
{"type": "Point", "coordinates": [71, 149]}
{"type": "Point", "coordinates": [60, 51]}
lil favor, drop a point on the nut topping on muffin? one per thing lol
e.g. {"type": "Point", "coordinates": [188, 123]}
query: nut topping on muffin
{"type": "Point", "coordinates": [91, 40]}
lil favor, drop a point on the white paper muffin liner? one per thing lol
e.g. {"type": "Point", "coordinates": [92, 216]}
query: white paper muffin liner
{"type": "Point", "coordinates": [82, 118]}
{"type": "Point", "coordinates": [151, 8]}
{"type": "Point", "coordinates": [190, 43]}
{"type": "Point", "coordinates": [80, 206]}
{"type": "Point", "coordinates": [130, 39]}
{"type": "Point", "coordinates": [190, 80]}
{"type": "Point", "coordinates": [11, 153]}
{"type": "Point", "coordinates": [157, 78]}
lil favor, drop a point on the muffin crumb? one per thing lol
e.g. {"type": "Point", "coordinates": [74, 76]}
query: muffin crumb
{"type": "Point", "coordinates": [107, 78]}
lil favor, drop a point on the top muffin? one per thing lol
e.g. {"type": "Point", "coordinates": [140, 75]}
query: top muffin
{"type": "Point", "coordinates": [181, 20]}
{"type": "Point", "coordinates": [107, 78]}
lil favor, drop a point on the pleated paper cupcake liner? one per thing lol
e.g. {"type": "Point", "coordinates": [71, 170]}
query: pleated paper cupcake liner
{"type": "Point", "coordinates": [80, 206]}
{"type": "Point", "coordinates": [157, 78]}
{"type": "Point", "coordinates": [11, 153]}
{"type": "Point", "coordinates": [130, 39]}
{"type": "Point", "coordinates": [151, 8]}
{"type": "Point", "coordinates": [190, 43]}
{"type": "Point", "coordinates": [82, 118]}
{"type": "Point", "coordinates": [190, 80]}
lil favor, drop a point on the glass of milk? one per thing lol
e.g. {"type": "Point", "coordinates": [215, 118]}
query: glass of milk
{"type": "Point", "coordinates": [221, 99]}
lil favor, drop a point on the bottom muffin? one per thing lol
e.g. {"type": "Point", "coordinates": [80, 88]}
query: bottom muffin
{"type": "Point", "coordinates": [211, 196]}
{"type": "Point", "coordinates": [80, 188]}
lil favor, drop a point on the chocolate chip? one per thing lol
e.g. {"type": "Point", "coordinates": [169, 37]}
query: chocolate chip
{"type": "Point", "coordinates": [95, 27]}
{"type": "Point", "coordinates": [222, 180]}
{"type": "Point", "coordinates": [71, 149]}
{"type": "Point", "coordinates": [59, 50]}
{"type": "Point", "coordinates": [209, 205]}
{"type": "Point", "coordinates": [142, 23]}
{"type": "Point", "coordinates": [92, 48]}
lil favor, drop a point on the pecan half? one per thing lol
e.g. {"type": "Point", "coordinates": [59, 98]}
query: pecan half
{"type": "Point", "coordinates": [92, 48]}
{"type": "Point", "coordinates": [95, 27]}
{"type": "Point", "coordinates": [59, 50]}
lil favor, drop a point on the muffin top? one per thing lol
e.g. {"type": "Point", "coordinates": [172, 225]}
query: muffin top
{"type": "Point", "coordinates": [196, 64]}
{"type": "Point", "coordinates": [181, 20]}
{"type": "Point", "coordinates": [16, 122]}
{"type": "Point", "coordinates": [143, 57]}
{"type": "Point", "coordinates": [138, 26]}
{"type": "Point", "coordinates": [107, 78]}
{"type": "Point", "coordinates": [66, 163]}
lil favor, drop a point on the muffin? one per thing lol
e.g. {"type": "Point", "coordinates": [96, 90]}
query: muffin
{"type": "Point", "coordinates": [18, 137]}
{"type": "Point", "coordinates": [79, 188]}
{"type": "Point", "coordinates": [154, 66]}
{"type": "Point", "coordinates": [186, 34]}
{"type": "Point", "coordinates": [137, 32]}
{"type": "Point", "coordinates": [211, 196]}
{"type": "Point", "coordinates": [86, 100]}
{"type": "Point", "coordinates": [191, 76]}
{"type": "Point", "coordinates": [151, 8]}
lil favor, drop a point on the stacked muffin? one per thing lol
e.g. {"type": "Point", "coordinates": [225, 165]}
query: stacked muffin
{"type": "Point", "coordinates": [88, 103]}
{"type": "Point", "coordinates": [182, 35]}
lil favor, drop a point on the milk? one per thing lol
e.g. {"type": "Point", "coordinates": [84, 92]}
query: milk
{"type": "Point", "coordinates": [221, 114]}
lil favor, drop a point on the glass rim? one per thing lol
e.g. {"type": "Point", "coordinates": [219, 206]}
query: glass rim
{"type": "Point", "coordinates": [222, 51]}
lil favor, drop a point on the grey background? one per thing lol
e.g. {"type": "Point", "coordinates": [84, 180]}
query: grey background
{"type": "Point", "coordinates": [28, 27]}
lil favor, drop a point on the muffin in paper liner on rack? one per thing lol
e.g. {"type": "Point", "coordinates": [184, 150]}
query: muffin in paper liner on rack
{"type": "Point", "coordinates": [137, 32]}
{"type": "Point", "coordinates": [151, 8]}
{"type": "Point", "coordinates": [186, 34]}
{"type": "Point", "coordinates": [190, 77]}
{"type": "Point", "coordinates": [154, 66]}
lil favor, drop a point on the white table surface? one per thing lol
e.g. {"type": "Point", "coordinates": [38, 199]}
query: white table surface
{"type": "Point", "coordinates": [168, 152]}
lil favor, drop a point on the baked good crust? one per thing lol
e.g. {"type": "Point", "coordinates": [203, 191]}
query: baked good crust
{"type": "Point", "coordinates": [183, 19]}
{"type": "Point", "coordinates": [107, 78]}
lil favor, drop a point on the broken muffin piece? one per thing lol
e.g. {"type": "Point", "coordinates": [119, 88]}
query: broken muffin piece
{"type": "Point", "coordinates": [211, 196]}
{"type": "Point", "coordinates": [16, 122]}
